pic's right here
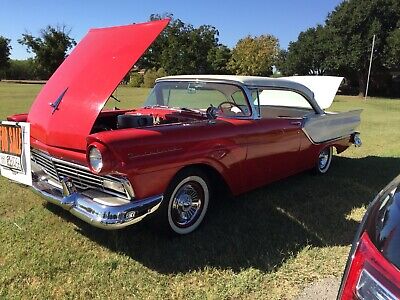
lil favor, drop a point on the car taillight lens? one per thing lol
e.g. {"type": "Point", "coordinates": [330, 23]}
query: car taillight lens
{"type": "Point", "coordinates": [370, 275]}
{"type": "Point", "coordinates": [368, 287]}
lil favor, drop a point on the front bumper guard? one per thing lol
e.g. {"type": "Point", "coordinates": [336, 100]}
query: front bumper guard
{"type": "Point", "coordinates": [95, 213]}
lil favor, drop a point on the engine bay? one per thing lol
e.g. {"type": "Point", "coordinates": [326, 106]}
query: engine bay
{"type": "Point", "coordinates": [143, 117]}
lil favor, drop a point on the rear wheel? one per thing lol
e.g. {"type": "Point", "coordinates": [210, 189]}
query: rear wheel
{"type": "Point", "coordinates": [186, 202]}
{"type": "Point", "coordinates": [324, 160]}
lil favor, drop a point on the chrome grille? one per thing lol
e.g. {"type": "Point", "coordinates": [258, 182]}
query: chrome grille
{"type": "Point", "coordinates": [45, 163]}
{"type": "Point", "coordinates": [80, 175]}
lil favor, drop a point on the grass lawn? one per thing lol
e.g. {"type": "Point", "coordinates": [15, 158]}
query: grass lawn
{"type": "Point", "coordinates": [267, 244]}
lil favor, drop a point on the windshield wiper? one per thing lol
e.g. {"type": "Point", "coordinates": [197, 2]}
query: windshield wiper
{"type": "Point", "coordinates": [197, 111]}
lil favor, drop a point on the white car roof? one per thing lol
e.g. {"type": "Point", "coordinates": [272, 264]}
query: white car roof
{"type": "Point", "coordinates": [321, 89]}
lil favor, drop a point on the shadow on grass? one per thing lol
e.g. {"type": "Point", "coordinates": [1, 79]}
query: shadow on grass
{"type": "Point", "coordinates": [263, 228]}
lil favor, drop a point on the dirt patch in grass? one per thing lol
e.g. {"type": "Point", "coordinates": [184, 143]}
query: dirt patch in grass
{"type": "Point", "coordinates": [325, 289]}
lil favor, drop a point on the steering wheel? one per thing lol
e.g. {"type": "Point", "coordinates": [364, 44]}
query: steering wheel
{"type": "Point", "coordinates": [232, 104]}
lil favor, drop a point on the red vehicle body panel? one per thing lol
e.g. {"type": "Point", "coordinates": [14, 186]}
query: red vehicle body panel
{"type": "Point", "coordinates": [86, 79]}
{"type": "Point", "coordinates": [247, 153]}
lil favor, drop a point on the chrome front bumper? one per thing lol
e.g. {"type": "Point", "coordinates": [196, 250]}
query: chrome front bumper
{"type": "Point", "coordinates": [88, 206]}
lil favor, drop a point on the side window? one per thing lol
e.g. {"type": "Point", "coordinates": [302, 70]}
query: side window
{"type": "Point", "coordinates": [239, 99]}
{"type": "Point", "coordinates": [283, 98]}
{"type": "Point", "coordinates": [281, 103]}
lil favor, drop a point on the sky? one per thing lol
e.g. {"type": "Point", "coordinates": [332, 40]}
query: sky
{"type": "Point", "coordinates": [234, 19]}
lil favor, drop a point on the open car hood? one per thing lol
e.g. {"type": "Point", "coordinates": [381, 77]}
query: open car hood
{"type": "Point", "coordinates": [65, 110]}
{"type": "Point", "coordinates": [323, 87]}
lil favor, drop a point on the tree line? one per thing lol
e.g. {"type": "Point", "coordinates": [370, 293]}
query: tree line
{"type": "Point", "coordinates": [341, 46]}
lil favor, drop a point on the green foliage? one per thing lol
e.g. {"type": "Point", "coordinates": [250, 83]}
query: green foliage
{"type": "Point", "coordinates": [135, 79]}
{"type": "Point", "coordinates": [218, 58]}
{"type": "Point", "coordinates": [351, 26]}
{"type": "Point", "coordinates": [50, 48]}
{"type": "Point", "coordinates": [184, 49]}
{"type": "Point", "coordinates": [161, 72]}
{"type": "Point", "coordinates": [21, 69]}
{"type": "Point", "coordinates": [5, 49]}
{"type": "Point", "coordinates": [254, 55]}
{"type": "Point", "coordinates": [392, 50]}
{"type": "Point", "coordinates": [151, 75]}
{"type": "Point", "coordinates": [343, 45]}
{"type": "Point", "coordinates": [307, 56]}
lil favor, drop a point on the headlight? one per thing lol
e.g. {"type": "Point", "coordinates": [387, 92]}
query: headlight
{"type": "Point", "coordinates": [95, 159]}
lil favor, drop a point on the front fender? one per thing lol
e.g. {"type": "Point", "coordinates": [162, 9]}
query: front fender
{"type": "Point", "coordinates": [152, 156]}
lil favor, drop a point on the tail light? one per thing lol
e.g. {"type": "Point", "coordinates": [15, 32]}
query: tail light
{"type": "Point", "coordinates": [370, 275]}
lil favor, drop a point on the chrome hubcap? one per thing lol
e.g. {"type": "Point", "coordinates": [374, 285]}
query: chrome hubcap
{"type": "Point", "coordinates": [187, 203]}
{"type": "Point", "coordinates": [323, 158]}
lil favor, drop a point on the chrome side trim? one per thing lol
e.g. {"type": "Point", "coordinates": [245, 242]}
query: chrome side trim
{"type": "Point", "coordinates": [334, 139]}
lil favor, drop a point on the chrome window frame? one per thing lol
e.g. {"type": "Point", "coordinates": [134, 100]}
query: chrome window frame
{"type": "Point", "coordinates": [313, 105]}
{"type": "Point", "coordinates": [230, 82]}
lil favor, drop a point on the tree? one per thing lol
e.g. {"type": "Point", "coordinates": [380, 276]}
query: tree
{"type": "Point", "coordinates": [50, 48]}
{"type": "Point", "coordinates": [21, 69]}
{"type": "Point", "coordinates": [186, 49]}
{"type": "Point", "coordinates": [151, 75]}
{"type": "Point", "coordinates": [308, 55]}
{"type": "Point", "coordinates": [254, 55]}
{"type": "Point", "coordinates": [135, 79]}
{"type": "Point", "coordinates": [218, 58]}
{"type": "Point", "coordinates": [182, 49]}
{"type": "Point", "coordinates": [351, 27]}
{"type": "Point", "coordinates": [392, 50]}
{"type": "Point", "coordinates": [5, 49]}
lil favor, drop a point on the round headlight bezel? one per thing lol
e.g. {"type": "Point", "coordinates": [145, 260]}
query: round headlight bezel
{"type": "Point", "coordinates": [96, 162]}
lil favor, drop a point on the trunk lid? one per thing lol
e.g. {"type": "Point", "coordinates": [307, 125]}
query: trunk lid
{"type": "Point", "coordinates": [65, 110]}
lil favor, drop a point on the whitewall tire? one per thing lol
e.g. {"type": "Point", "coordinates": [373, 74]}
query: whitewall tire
{"type": "Point", "coordinates": [324, 160]}
{"type": "Point", "coordinates": [185, 202]}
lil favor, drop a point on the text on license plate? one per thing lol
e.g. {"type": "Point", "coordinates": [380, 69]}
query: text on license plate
{"type": "Point", "coordinates": [10, 161]}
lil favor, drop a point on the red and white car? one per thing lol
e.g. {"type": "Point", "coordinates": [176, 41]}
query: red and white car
{"type": "Point", "coordinates": [111, 168]}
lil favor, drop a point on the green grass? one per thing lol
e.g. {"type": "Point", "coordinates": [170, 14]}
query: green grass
{"type": "Point", "coordinates": [266, 244]}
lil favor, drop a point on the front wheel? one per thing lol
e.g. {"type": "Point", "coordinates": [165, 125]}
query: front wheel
{"type": "Point", "coordinates": [186, 201]}
{"type": "Point", "coordinates": [324, 160]}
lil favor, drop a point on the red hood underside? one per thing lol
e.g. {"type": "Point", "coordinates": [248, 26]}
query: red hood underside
{"type": "Point", "coordinates": [66, 108]}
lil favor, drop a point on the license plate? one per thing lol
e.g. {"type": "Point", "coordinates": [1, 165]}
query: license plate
{"type": "Point", "coordinates": [15, 158]}
{"type": "Point", "coordinates": [11, 147]}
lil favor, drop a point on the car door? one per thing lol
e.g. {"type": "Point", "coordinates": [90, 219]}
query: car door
{"type": "Point", "coordinates": [273, 140]}
{"type": "Point", "coordinates": [272, 149]}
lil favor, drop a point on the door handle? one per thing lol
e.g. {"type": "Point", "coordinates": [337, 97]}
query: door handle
{"type": "Point", "coordinates": [297, 123]}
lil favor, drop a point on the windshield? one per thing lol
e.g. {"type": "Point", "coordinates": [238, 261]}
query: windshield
{"type": "Point", "coordinates": [228, 98]}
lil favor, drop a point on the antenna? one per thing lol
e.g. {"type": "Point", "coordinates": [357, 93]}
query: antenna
{"type": "Point", "coordinates": [370, 65]}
